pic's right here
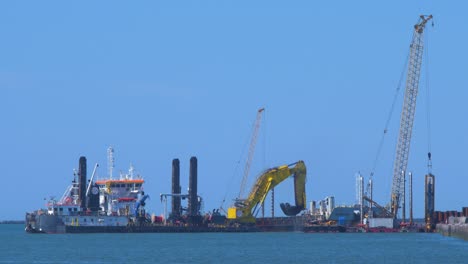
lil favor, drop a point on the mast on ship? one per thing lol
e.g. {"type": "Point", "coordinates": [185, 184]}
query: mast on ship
{"type": "Point", "coordinates": [110, 161]}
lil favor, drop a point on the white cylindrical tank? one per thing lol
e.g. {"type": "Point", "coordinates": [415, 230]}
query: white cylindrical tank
{"type": "Point", "coordinates": [330, 203]}
{"type": "Point", "coordinates": [322, 207]}
{"type": "Point", "coordinates": [312, 207]}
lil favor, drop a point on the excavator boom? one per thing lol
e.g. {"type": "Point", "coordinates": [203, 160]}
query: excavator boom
{"type": "Point", "coordinates": [244, 209]}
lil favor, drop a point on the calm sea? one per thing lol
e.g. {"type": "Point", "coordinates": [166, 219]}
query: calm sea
{"type": "Point", "coordinates": [18, 247]}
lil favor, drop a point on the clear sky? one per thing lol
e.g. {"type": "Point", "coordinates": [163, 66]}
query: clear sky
{"type": "Point", "coordinates": [159, 80]}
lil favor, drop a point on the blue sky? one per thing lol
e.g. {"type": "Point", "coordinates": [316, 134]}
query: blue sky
{"type": "Point", "coordinates": [174, 79]}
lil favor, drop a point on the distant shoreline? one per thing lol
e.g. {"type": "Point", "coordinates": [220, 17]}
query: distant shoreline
{"type": "Point", "coordinates": [12, 222]}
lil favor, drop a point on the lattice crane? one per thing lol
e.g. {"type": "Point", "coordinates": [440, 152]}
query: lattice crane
{"type": "Point", "coordinates": [407, 114]}
{"type": "Point", "coordinates": [253, 143]}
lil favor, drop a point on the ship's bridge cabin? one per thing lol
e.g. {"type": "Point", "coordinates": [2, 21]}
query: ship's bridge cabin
{"type": "Point", "coordinates": [121, 187]}
{"type": "Point", "coordinates": [57, 208]}
{"type": "Point", "coordinates": [118, 197]}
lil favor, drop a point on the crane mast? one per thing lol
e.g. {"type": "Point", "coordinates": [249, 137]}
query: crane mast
{"type": "Point", "coordinates": [253, 143]}
{"type": "Point", "coordinates": [407, 114]}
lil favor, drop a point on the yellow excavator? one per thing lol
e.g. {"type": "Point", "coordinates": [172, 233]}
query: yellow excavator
{"type": "Point", "coordinates": [244, 209]}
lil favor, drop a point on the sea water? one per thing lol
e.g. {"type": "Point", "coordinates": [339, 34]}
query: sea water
{"type": "Point", "coordinates": [16, 246]}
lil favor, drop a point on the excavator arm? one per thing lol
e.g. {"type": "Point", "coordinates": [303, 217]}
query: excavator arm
{"type": "Point", "coordinates": [299, 192]}
{"type": "Point", "coordinates": [244, 209]}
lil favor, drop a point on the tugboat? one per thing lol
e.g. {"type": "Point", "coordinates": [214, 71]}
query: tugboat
{"type": "Point", "coordinates": [106, 205]}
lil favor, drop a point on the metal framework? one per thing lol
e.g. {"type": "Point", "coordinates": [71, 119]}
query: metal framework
{"type": "Point", "coordinates": [407, 114]}
{"type": "Point", "coordinates": [253, 143]}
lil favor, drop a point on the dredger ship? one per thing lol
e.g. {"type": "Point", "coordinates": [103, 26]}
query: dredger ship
{"type": "Point", "coordinates": [102, 205]}
{"type": "Point", "coordinates": [117, 205]}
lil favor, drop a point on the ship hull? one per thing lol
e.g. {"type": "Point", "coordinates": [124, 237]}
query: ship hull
{"type": "Point", "coordinates": [44, 223]}
{"type": "Point", "coordinates": [156, 229]}
{"type": "Point", "coordinates": [53, 224]}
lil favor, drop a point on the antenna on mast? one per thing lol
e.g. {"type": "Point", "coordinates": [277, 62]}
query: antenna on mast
{"type": "Point", "coordinates": [110, 161]}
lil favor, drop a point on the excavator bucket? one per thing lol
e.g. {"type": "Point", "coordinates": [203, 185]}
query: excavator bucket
{"type": "Point", "coordinates": [290, 210]}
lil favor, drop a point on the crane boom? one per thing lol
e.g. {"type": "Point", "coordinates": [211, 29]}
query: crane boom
{"type": "Point", "coordinates": [407, 114]}
{"type": "Point", "coordinates": [253, 143]}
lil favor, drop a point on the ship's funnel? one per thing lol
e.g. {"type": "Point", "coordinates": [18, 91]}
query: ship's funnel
{"type": "Point", "coordinates": [193, 197]}
{"type": "Point", "coordinates": [82, 182]}
{"type": "Point", "coordinates": [175, 188]}
{"type": "Point", "coordinates": [93, 198]}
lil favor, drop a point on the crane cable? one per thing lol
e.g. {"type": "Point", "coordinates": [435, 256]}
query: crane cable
{"type": "Point", "coordinates": [264, 157]}
{"type": "Point", "coordinates": [237, 167]}
{"type": "Point", "coordinates": [236, 171]}
{"type": "Point", "coordinates": [390, 114]}
{"type": "Point", "coordinates": [428, 107]}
